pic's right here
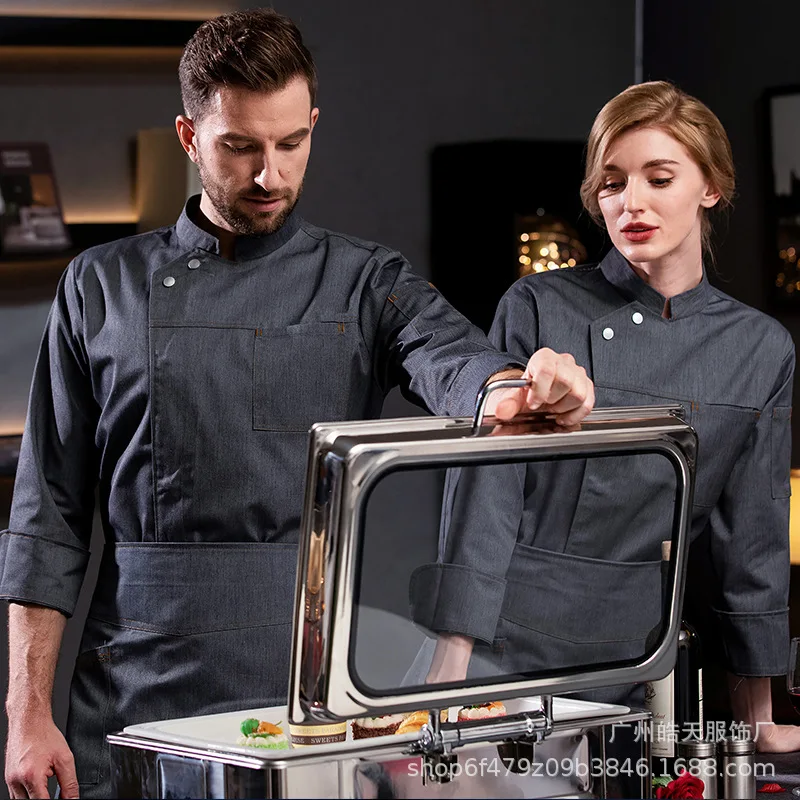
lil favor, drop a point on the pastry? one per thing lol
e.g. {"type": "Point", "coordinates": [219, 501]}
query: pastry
{"type": "Point", "coordinates": [481, 711]}
{"type": "Point", "coordinates": [255, 733]}
{"type": "Point", "coordinates": [367, 727]}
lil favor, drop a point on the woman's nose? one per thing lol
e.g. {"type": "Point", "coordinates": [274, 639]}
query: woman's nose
{"type": "Point", "coordinates": [632, 197]}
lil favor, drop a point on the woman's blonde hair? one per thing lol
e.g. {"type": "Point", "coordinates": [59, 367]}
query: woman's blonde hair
{"type": "Point", "coordinates": [660, 104]}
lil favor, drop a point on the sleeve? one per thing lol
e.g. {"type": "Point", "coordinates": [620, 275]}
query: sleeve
{"type": "Point", "coordinates": [439, 359]}
{"type": "Point", "coordinates": [463, 591]}
{"type": "Point", "coordinates": [45, 550]}
{"type": "Point", "coordinates": [749, 540]}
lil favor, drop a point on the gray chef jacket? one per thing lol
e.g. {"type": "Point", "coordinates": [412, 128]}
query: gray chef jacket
{"type": "Point", "coordinates": [555, 565]}
{"type": "Point", "coordinates": [183, 385]}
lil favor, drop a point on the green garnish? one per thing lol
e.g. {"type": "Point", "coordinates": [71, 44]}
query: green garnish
{"type": "Point", "coordinates": [249, 726]}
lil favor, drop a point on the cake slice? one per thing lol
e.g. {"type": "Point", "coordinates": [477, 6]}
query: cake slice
{"type": "Point", "coordinates": [368, 727]}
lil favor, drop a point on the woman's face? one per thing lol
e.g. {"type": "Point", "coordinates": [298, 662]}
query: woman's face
{"type": "Point", "coordinates": [652, 199]}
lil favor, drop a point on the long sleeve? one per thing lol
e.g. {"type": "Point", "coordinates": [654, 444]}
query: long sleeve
{"type": "Point", "coordinates": [750, 541]}
{"type": "Point", "coordinates": [46, 547]}
{"type": "Point", "coordinates": [482, 511]}
{"type": "Point", "coordinates": [439, 359]}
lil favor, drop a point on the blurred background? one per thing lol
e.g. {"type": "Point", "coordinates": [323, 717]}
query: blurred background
{"type": "Point", "coordinates": [451, 131]}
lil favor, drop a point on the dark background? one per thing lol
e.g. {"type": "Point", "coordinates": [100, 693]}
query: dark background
{"type": "Point", "coordinates": [398, 80]}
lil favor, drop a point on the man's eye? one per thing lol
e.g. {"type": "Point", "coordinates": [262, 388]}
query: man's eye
{"type": "Point", "coordinates": [290, 145]}
{"type": "Point", "coordinates": [243, 149]}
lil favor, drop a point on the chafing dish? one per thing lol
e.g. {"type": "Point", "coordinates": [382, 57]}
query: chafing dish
{"type": "Point", "coordinates": [348, 462]}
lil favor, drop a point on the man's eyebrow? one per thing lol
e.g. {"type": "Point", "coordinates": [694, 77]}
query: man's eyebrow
{"type": "Point", "coordinates": [240, 137]}
{"type": "Point", "coordinates": [298, 134]}
{"type": "Point", "coordinates": [236, 137]}
{"type": "Point", "coordinates": [656, 162]}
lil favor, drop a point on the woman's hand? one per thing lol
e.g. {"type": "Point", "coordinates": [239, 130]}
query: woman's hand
{"type": "Point", "coordinates": [451, 658]}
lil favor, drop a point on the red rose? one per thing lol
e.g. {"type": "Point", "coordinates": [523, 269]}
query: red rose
{"type": "Point", "coordinates": [684, 786]}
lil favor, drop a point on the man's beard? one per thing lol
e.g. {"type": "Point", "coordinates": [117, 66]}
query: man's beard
{"type": "Point", "coordinates": [248, 224]}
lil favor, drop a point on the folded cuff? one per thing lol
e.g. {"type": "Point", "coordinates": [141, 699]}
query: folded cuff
{"type": "Point", "coordinates": [450, 598]}
{"type": "Point", "coordinates": [756, 644]}
{"type": "Point", "coordinates": [464, 392]}
{"type": "Point", "coordinates": [41, 571]}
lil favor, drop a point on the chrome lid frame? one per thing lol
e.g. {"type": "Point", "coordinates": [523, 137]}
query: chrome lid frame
{"type": "Point", "coordinates": [347, 459]}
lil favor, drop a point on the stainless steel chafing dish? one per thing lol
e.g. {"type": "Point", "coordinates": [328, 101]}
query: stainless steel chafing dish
{"type": "Point", "coordinates": [347, 461]}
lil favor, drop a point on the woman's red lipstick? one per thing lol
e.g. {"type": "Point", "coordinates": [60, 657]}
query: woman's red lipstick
{"type": "Point", "coordinates": [638, 231]}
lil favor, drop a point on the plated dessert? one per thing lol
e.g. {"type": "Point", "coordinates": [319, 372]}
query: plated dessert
{"type": "Point", "coordinates": [482, 711]}
{"type": "Point", "coordinates": [256, 733]}
{"type": "Point", "coordinates": [368, 727]}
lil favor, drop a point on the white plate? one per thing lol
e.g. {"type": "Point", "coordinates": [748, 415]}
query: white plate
{"type": "Point", "coordinates": [220, 731]}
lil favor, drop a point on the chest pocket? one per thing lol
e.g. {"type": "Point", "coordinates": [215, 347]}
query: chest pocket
{"type": "Point", "coordinates": [722, 432]}
{"type": "Point", "coordinates": [306, 373]}
{"type": "Point", "coordinates": [625, 504]}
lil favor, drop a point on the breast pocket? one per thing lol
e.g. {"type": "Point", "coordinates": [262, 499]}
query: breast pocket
{"type": "Point", "coordinates": [625, 503]}
{"type": "Point", "coordinates": [722, 432]}
{"type": "Point", "coordinates": [306, 373]}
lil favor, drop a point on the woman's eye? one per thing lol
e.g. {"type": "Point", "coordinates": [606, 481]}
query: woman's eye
{"type": "Point", "coordinates": [661, 181]}
{"type": "Point", "coordinates": [611, 186]}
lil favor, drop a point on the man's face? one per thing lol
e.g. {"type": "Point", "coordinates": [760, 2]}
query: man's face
{"type": "Point", "coordinates": [251, 150]}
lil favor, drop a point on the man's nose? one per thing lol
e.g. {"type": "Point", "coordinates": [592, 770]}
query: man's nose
{"type": "Point", "coordinates": [267, 178]}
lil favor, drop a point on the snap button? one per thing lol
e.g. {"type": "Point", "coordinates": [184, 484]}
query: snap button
{"type": "Point", "coordinates": [169, 281]}
{"type": "Point", "coordinates": [637, 318]}
{"type": "Point", "coordinates": [608, 333]}
{"type": "Point", "coordinates": [194, 263]}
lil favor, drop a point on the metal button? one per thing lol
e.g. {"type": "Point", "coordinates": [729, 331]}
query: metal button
{"type": "Point", "coordinates": [194, 263]}
{"type": "Point", "coordinates": [637, 318]}
{"type": "Point", "coordinates": [169, 281]}
{"type": "Point", "coordinates": [608, 333]}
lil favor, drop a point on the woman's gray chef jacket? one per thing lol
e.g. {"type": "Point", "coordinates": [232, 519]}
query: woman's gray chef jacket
{"type": "Point", "coordinates": [524, 563]}
{"type": "Point", "coordinates": [186, 384]}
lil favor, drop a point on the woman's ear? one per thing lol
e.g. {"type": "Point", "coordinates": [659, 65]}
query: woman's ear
{"type": "Point", "coordinates": [710, 197]}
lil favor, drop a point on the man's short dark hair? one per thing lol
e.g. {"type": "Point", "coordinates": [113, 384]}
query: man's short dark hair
{"type": "Point", "coordinates": [259, 50]}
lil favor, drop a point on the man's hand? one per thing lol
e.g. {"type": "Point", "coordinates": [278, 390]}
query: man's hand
{"type": "Point", "coordinates": [558, 386]}
{"type": "Point", "coordinates": [36, 751]}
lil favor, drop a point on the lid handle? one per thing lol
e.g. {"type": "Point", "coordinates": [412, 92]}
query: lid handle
{"type": "Point", "coordinates": [483, 395]}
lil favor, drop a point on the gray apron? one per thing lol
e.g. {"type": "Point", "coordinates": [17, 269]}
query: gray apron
{"type": "Point", "coordinates": [169, 629]}
{"type": "Point", "coordinates": [199, 620]}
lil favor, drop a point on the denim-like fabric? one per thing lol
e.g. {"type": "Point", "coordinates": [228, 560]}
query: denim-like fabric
{"type": "Point", "coordinates": [508, 530]}
{"type": "Point", "coordinates": [178, 630]}
{"type": "Point", "coordinates": [184, 384]}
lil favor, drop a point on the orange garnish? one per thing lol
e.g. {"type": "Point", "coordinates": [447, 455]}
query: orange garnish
{"type": "Point", "coordinates": [268, 727]}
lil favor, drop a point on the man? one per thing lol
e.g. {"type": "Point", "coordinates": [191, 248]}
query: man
{"type": "Point", "coordinates": [180, 372]}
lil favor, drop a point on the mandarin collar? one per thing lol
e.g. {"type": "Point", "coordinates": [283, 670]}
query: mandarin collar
{"type": "Point", "coordinates": [620, 274]}
{"type": "Point", "coordinates": [192, 237]}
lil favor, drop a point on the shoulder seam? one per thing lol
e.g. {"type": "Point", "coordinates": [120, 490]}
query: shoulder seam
{"type": "Point", "coordinates": [370, 247]}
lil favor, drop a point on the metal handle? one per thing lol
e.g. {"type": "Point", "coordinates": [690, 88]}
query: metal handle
{"type": "Point", "coordinates": [483, 394]}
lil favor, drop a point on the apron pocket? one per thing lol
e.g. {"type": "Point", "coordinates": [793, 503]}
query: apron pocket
{"type": "Point", "coordinates": [90, 696]}
{"type": "Point", "coordinates": [562, 611]}
{"type": "Point", "coordinates": [288, 393]}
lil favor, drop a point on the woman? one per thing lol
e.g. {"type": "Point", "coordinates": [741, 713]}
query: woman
{"type": "Point", "coordinates": [649, 329]}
